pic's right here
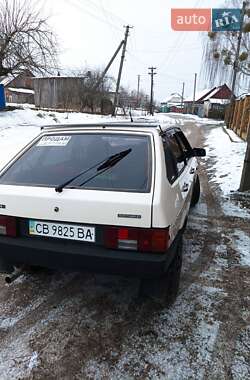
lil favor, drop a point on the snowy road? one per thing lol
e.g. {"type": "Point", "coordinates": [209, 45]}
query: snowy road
{"type": "Point", "coordinates": [55, 325]}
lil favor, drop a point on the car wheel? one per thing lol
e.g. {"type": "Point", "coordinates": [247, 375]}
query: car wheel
{"type": "Point", "coordinates": [165, 288]}
{"type": "Point", "coordinates": [5, 266]}
{"type": "Point", "coordinates": [196, 192]}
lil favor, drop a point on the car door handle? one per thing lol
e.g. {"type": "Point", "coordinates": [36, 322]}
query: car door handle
{"type": "Point", "coordinates": [185, 188]}
{"type": "Point", "coordinates": [192, 171]}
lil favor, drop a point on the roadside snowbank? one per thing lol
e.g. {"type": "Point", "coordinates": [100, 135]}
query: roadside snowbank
{"type": "Point", "coordinates": [228, 158]}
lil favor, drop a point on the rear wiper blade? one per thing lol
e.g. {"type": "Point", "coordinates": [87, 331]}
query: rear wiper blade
{"type": "Point", "coordinates": [108, 162]}
{"type": "Point", "coordinates": [113, 160]}
{"type": "Point", "coordinates": [59, 188]}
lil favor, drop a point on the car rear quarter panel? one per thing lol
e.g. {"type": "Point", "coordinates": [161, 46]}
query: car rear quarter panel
{"type": "Point", "coordinates": [170, 204]}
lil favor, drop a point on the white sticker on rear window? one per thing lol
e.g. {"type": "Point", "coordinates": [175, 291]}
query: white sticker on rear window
{"type": "Point", "coordinates": [54, 141]}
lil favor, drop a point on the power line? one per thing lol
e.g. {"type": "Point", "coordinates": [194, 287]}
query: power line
{"type": "Point", "coordinates": [194, 46]}
{"type": "Point", "coordinates": [112, 14]}
{"type": "Point", "coordinates": [104, 11]}
{"type": "Point", "coordinates": [178, 41]}
{"type": "Point", "coordinates": [79, 6]}
{"type": "Point", "coordinates": [101, 7]}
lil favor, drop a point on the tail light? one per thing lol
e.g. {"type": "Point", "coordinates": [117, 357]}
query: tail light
{"type": "Point", "coordinates": [137, 239]}
{"type": "Point", "coordinates": [7, 225]}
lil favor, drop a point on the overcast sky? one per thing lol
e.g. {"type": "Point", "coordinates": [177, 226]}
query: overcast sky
{"type": "Point", "coordinates": [89, 31]}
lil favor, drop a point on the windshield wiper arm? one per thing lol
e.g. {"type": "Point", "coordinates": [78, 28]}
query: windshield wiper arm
{"type": "Point", "coordinates": [59, 188]}
{"type": "Point", "coordinates": [108, 162]}
{"type": "Point", "coordinates": [113, 160]}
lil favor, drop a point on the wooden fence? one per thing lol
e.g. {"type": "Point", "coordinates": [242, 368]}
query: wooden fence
{"type": "Point", "coordinates": [237, 116]}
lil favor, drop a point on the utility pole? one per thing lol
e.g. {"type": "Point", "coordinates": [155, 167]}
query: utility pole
{"type": "Point", "coordinates": [108, 65]}
{"type": "Point", "coordinates": [145, 104]}
{"type": "Point", "coordinates": [138, 89]}
{"type": "Point", "coordinates": [120, 69]}
{"type": "Point", "coordinates": [182, 95]}
{"type": "Point", "coordinates": [193, 105]}
{"type": "Point", "coordinates": [152, 73]}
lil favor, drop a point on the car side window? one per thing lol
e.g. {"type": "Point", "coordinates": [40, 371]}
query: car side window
{"type": "Point", "coordinates": [171, 165]}
{"type": "Point", "coordinates": [185, 146]}
{"type": "Point", "coordinates": [177, 153]}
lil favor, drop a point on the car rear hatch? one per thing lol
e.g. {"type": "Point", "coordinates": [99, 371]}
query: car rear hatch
{"type": "Point", "coordinates": [77, 206]}
{"type": "Point", "coordinates": [119, 195]}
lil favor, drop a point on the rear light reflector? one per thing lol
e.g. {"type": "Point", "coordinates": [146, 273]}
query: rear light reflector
{"type": "Point", "coordinates": [7, 225]}
{"type": "Point", "coordinates": [137, 239]}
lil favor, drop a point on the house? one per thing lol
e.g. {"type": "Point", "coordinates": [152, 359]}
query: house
{"type": "Point", "coordinates": [209, 102]}
{"type": "Point", "coordinates": [215, 103]}
{"type": "Point", "coordinates": [18, 87]}
{"type": "Point", "coordinates": [198, 103]}
{"type": "Point", "coordinates": [172, 104]}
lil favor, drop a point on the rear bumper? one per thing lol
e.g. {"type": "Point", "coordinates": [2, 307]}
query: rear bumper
{"type": "Point", "coordinates": [70, 256]}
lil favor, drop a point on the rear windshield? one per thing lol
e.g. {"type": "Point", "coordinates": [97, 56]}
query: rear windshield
{"type": "Point", "coordinates": [55, 159]}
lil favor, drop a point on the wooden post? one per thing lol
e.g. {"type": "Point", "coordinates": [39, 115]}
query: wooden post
{"type": "Point", "coordinates": [231, 111]}
{"type": "Point", "coordinates": [239, 116]}
{"type": "Point", "coordinates": [245, 117]}
{"type": "Point", "coordinates": [227, 115]}
{"type": "Point", "coordinates": [235, 114]}
{"type": "Point", "coordinates": [245, 178]}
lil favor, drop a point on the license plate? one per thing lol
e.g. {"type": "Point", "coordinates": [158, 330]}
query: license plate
{"type": "Point", "coordinates": [62, 231]}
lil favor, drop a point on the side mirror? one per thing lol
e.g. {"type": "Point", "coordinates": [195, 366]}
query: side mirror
{"type": "Point", "coordinates": [199, 152]}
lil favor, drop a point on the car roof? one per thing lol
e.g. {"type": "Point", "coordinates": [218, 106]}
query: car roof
{"type": "Point", "coordinates": [141, 125]}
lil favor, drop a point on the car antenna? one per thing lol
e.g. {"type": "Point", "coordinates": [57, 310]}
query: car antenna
{"type": "Point", "coordinates": [161, 131]}
{"type": "Point", "coordinates": [131, 119]}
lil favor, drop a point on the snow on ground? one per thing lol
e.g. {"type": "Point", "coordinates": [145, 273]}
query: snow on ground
{"type": "Point", "coordinates": [228, 157]}
{"type": "Point", "coordinates": [242, 246]}
{"type": "Point", "coordinates": [197, 119]}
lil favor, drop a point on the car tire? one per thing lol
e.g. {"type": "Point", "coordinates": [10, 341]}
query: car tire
{"type": "Point", "coordinates": [5, 266]}
{"type": "Point", "coordinates": [196, 192]}
{"type": "Point", "coordinates": [164, 290]}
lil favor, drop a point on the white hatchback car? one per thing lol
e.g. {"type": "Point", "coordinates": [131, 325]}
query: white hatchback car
{"type": "Point", "coordinates": [110, 197]}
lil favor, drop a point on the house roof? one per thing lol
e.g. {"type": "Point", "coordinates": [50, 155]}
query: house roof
{"type": "Point", "coordinates": [21, 90]}
{"type": "Point", "coordinates": [7, 79]}
{"type": "Point", "coordinates": [242, 96]}
{"type": "Point", "coordinates": [173, 98]}
{"type": "Point", "coordinates": [211, 94]}
{"type": "Point", "coordinates": [58, 77]}
{"type": "Point", "coordinates": [200, 95]}
{"type": "Point", "coordinates": [207, 94]}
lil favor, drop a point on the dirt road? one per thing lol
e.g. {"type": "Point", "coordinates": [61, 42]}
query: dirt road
{"type": "Point", "coordinates": [56, 325]}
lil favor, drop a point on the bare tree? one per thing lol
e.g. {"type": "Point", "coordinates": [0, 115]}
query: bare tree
{"type": "Point", "coordinates": [128, 99]}
{"type": "Point", "coordinates": [26, 40]}
{"type": "Point", "coordinates": [94, 90]}
{"type": "Point", "coordinates": [220, 49]}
